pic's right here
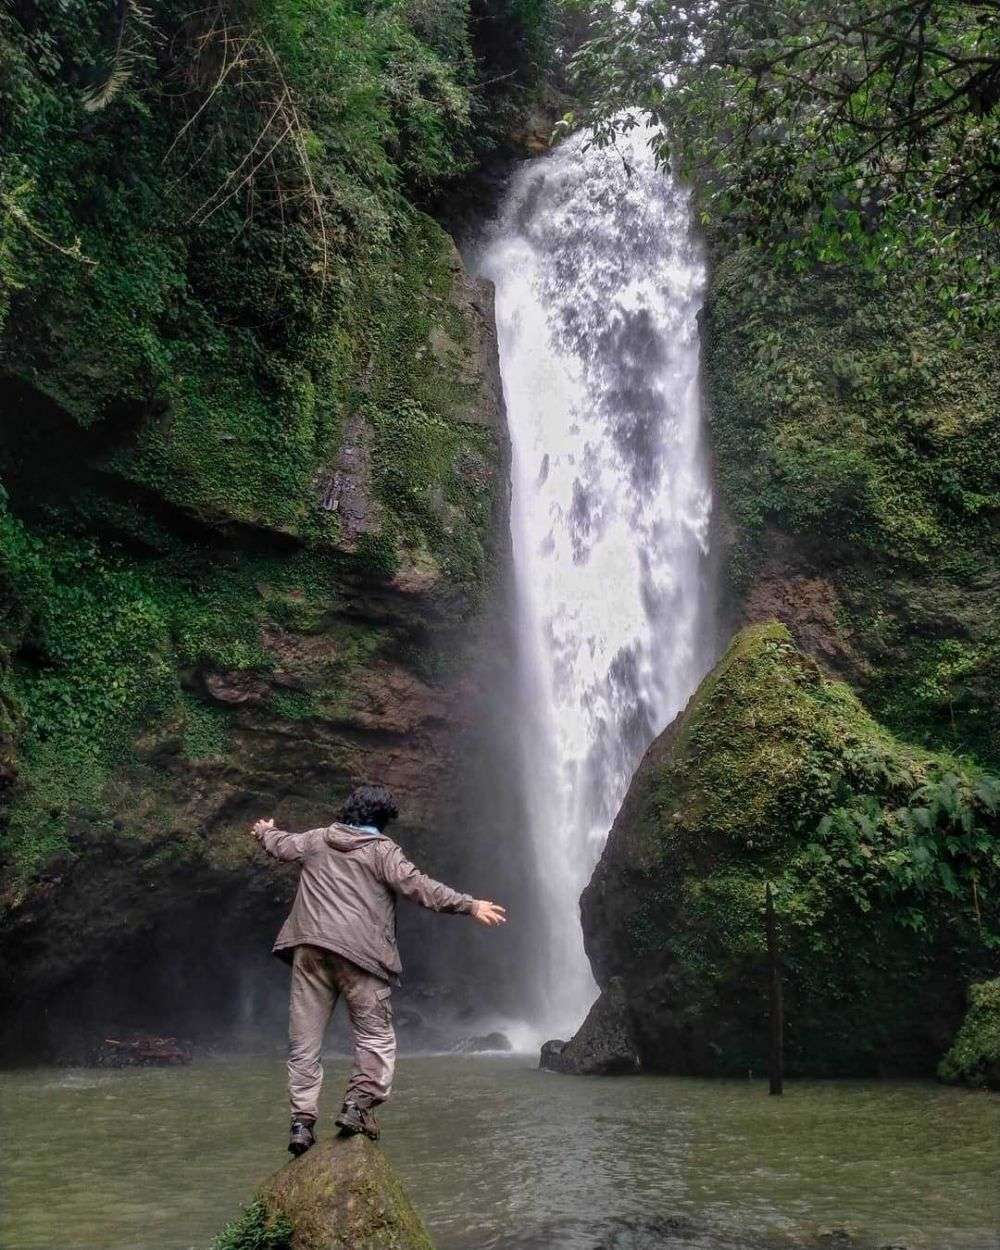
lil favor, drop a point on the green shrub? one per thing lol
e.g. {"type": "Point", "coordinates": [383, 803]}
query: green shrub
{"type": "Point", "coordinates": [255, 1230]}
{"type": "Point", "coordinates": [206, 729]}
{"type": "Point", "coordinates": [974, 1057]}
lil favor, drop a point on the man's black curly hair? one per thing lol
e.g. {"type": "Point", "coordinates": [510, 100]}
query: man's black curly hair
{"type": "Point", "coordinates": [369, 805]}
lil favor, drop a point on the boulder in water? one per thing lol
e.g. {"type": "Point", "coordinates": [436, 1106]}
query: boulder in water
{"type": "Point", "coordinates": [482, 1042]}
{"type": "Point", "coordinates": [343, 1194]}
{"type": "Point", "coordinates": [776, 774]}
{"type": "Point", "coordinates": [141, 1050]}
{"type": "Point", "coordinates": [602, 1046]}
{"type": "Point", "coordinates": [551, 1056]}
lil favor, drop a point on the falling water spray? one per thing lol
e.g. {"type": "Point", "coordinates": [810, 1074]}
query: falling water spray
{"type": "Point", "coordinates": [599, 279]}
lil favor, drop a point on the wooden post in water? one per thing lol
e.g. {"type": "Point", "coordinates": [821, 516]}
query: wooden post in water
{"type": "Point", "coordinates": [776, 1064]}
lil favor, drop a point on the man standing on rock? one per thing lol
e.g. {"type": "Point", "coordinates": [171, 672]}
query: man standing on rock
{"type": "Point", "coordinates": [340, 938]}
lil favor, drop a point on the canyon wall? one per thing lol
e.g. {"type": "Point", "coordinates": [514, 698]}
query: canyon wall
{"type": "Point", "coordinates": [254, 515]}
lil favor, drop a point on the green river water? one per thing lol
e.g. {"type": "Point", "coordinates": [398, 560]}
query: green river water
{"type": "Point", "coordinates": [498, 1154]}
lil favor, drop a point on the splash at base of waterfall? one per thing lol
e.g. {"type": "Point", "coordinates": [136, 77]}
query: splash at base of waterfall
{"type": "Point", "coordinates": [599, 280]}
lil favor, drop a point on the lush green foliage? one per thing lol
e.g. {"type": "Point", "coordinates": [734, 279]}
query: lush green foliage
{"type": "Point", "coordinates": [856, 428]}
{"type": "Point", "coordinates": [254, 1229]}
{"type": "Point", "coordinates": [879, 825]}
{"type": "Point", "coordinates": [217, 259]}
{"type": "Point", "coordinates": [863, 134]}
{"type": "Point", "coordinates": [106, 645]}
{"type": "Point", "coordinates": [974, 1058]}
{"type": "Point", "coordinates": [213, 276]}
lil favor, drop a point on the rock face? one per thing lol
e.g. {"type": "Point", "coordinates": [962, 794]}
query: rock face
{"type": "Point", "coordinates": [253, 525]}
{"type": "Point", "coordinates": [603, 1045]}
{"type": "Point", "coordinates": [348, 670]}
{"type": "Point", "coordinates": [344, 1195]}
{"type": "Point", "coordinates": [776, 773]}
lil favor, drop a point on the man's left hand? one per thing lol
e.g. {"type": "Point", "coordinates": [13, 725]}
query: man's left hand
{"type": "Point", "coordinates": [488, 913]}
{"type": "Point", "coordinates": [261, 827]}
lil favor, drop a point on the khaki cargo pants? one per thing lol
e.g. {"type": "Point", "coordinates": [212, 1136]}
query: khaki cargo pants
{"type": "Point", "coordinates": [319, 977]}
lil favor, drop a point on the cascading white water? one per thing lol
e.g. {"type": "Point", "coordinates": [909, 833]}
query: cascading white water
{"type": "Point", "coordinates": [599, 279]}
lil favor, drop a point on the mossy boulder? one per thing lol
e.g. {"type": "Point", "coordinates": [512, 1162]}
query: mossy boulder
{"type": "Point", "coordinates": [884, 861]}
{"type": "Point", "coordinates": [974, 1057]}
{"type": "Point", "coordinates": [343, 1195]}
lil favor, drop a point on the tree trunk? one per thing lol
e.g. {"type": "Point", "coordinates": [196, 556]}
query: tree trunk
{"type": "Point", "coordinates": [776, 1060]}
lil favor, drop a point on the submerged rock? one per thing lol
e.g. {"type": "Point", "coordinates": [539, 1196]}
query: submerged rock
{"type": "Point", "coordinates": [551, 1054]}
{"type": "Point", "coordinates": [603, 1045]}
{"type": "Point", "coordinates": [343, 1194]}
{"type": "Point", "coordinates": [680, 1233]}
{"type": "Point", "coordinates": [141, 1050]}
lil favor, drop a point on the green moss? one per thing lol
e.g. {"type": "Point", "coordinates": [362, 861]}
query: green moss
{"type": "Point", "coordinates": [179, 365]}
{"type": "Point", "coordinates": [218, 344]}
{"type": "Point", "coordinates": [345, 1195]}
{"type": "Point", "coordinates": [974, 1057]}
{"type": "Point", "coordinates": [115, 635]}
{"type": "Point", "coordinates": [294, 704]}
{"type": "Point", "coordinates": [206, 729]}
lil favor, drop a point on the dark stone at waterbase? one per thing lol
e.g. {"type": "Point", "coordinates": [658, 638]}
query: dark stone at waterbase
{"type": "Point", "coordinates": [483, 1042]}
{"type": "Point", "coordinates": [602, 1046]}
{"type": "Point", "coordinates": [141, 1050]}
{"type": "Point", "coordinates": [343, 1194]}
{"type": "Point", "coordinates": [551, 1056]}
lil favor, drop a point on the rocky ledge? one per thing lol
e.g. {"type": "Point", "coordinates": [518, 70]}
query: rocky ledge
{"type": "Point", "coordinates": [603, 1045]}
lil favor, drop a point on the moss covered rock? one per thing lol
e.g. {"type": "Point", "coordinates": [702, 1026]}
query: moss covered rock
{"type": "Point", "coordinates": [343, 1194]}
{"type": "Point", "coordinates": [974, 1057]}
{"type": "Point", "coordinates": [884, 860]}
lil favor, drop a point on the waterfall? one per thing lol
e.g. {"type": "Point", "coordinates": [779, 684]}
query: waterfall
{"type": "Point", "coordinates": [599, 279]}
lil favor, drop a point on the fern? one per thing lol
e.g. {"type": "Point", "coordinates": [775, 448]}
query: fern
{"type": "Point", "coordinates": [135, 27]}
{"type": "Point", "coordinates": [255, 1230]}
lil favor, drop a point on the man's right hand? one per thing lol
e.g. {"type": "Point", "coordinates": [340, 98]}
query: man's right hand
{"type": "Point", "coordinates": [488, 913]}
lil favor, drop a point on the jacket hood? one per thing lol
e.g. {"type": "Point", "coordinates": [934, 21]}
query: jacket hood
{"type": "Point", "coordinates": [350, 837]}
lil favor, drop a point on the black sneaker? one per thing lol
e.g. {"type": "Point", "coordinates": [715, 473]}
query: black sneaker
{"type": "Point", "coordinates": [301, 1137]}
{"type": "Point", "coordinates": [354, 1119]}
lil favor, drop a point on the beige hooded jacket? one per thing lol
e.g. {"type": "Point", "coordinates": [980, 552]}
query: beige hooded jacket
{"type": "Point", "coordinates": [346, 900]}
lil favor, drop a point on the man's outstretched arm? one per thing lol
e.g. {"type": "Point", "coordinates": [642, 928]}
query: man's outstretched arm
{"type": "Point", "coordinates": [406, 879]}
{"type": "Point", "coordinates": [283, 845]}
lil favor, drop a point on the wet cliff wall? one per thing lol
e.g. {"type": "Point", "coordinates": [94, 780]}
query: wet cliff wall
{"type": "Point", "coordinates": [254, 479]}
{"type": "Point", "coordinates": [855, 432]}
